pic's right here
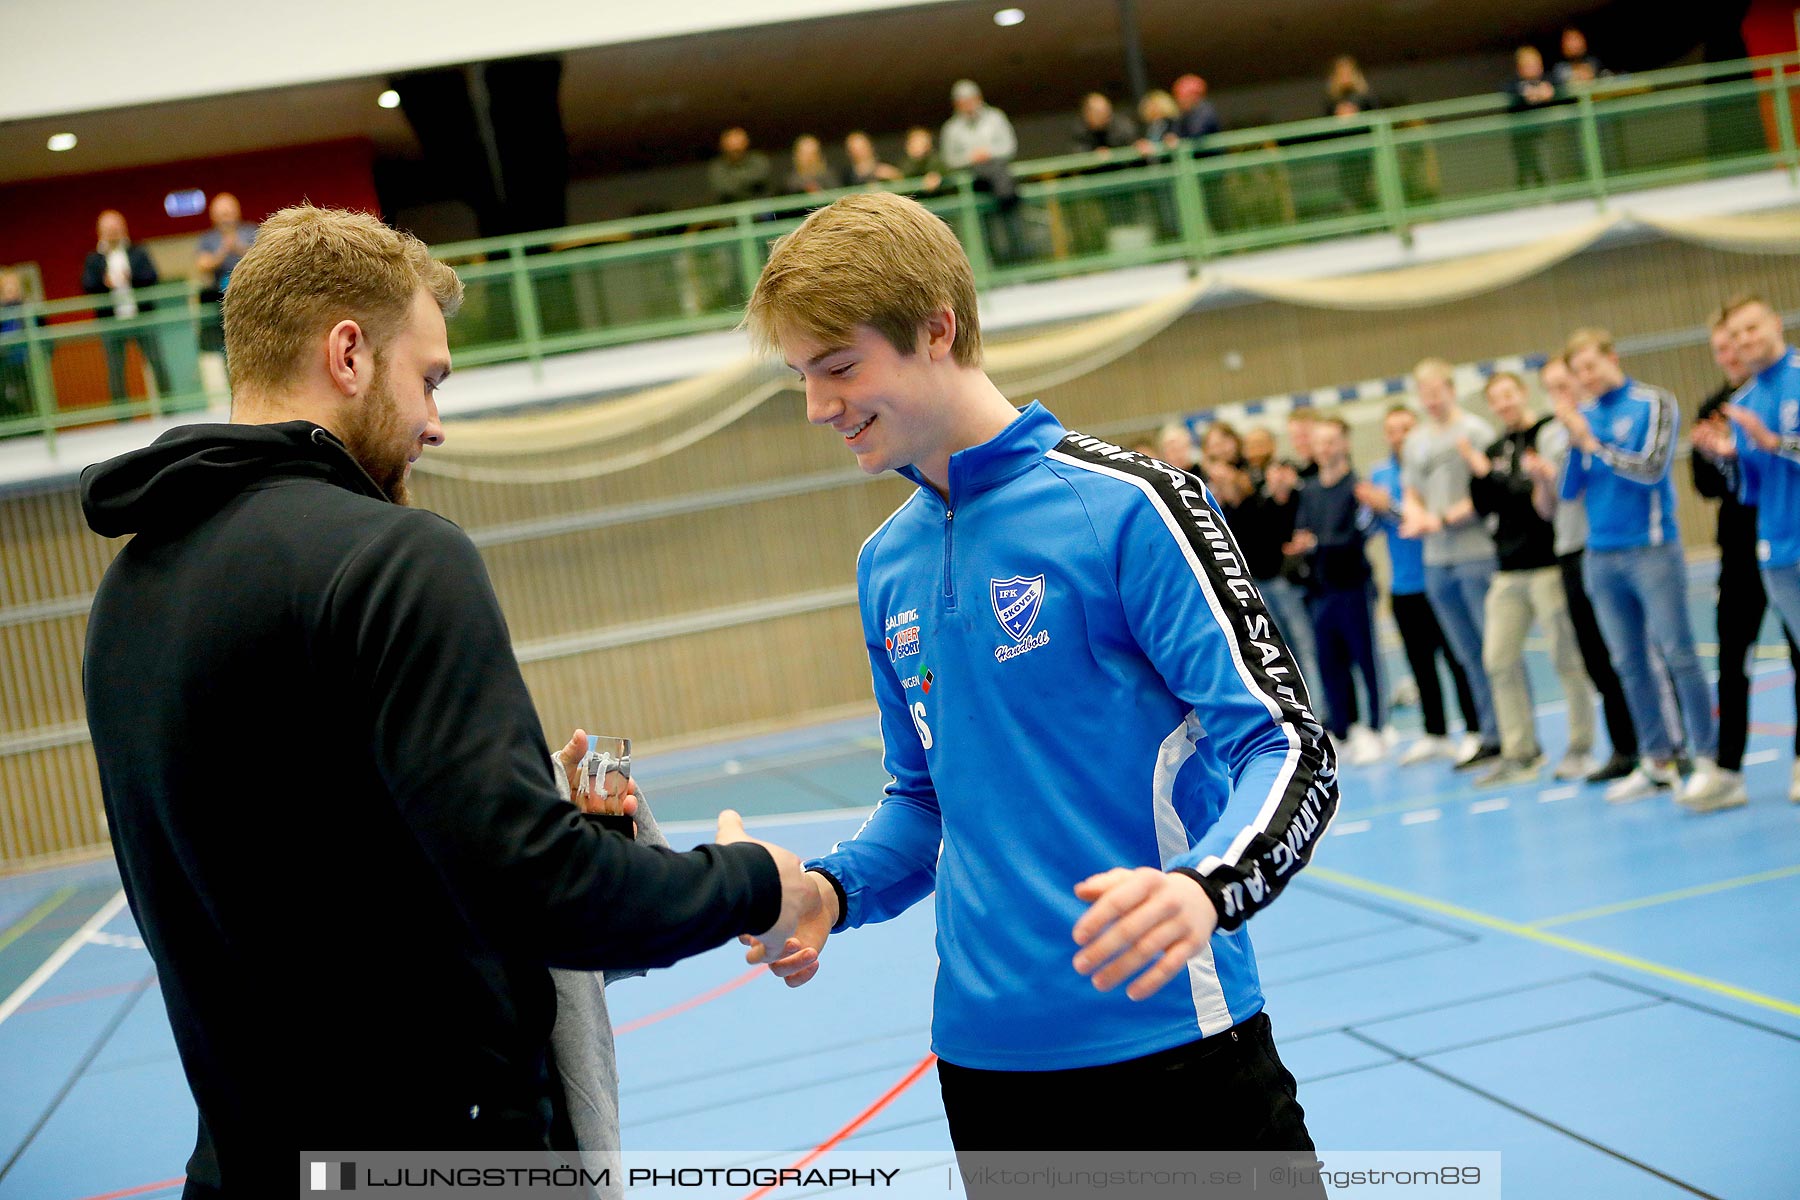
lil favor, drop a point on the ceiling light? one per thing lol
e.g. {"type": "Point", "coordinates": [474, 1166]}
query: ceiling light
{"type": "Point", "coordinates": [1009, 16]}
{"type": "Point", "coordinates": [389, 99]}
{"type": "Point", "coordinates": [61, 141]}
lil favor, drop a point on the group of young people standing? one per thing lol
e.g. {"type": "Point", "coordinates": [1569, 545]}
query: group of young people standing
{"type": "Point", "coordinates": [1565, 520]}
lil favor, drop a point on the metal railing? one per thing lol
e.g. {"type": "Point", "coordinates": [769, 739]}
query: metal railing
{"type": "Point", "coordinates": [531, 296]}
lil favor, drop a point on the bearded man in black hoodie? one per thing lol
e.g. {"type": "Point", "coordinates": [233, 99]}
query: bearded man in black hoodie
{"type": "Point", "coordinates": [331, 801]}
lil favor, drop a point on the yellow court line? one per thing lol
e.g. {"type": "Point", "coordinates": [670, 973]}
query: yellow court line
{"type": "Point", "coordinates": [34, 916]}
{"type": "Point", "coordinates": [1703, 889]}
{"type": "Point", "coordinates": [1500, 924]}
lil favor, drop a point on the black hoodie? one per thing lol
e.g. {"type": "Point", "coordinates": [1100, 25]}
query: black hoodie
{"type": "Point", "coordinates": [333, 809]}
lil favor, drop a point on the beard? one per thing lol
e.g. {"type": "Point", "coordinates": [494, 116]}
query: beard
{"type": "Point", "coordinates": [377, 440]}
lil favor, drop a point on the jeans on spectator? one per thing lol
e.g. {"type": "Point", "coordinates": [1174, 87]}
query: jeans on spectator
{"type": "Point", "coordinates": [1513, 599]}
{"type": "Point", "coordinates": [1640, 596]}
{"type": "Point", "coordinates": [1286, 602]}
{"type": "Point", "coordinates": [1783, 587]}
{"type": "Point", "coordinates": [1424, 642]}
{"type": "Point", "coordinates": [1345, 639]}
{"type": "Point", "coordinates": [1742, 603]}
{"type": "Point", "coordinates": [1458, 594]}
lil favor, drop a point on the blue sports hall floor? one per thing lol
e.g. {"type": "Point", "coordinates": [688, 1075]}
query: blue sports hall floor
{"type": "Point", "coordinates": [1608, 996]}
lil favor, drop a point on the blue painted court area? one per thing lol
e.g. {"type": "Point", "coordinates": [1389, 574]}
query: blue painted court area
{"type": "Point", "coordinates": [1609, 997]}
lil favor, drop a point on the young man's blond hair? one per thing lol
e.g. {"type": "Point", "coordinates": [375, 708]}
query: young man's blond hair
{"type": "Point", "coordinates": [1588, 338]}
{"type": "Point", "coordinates": [872, 259]}
{"type": "Point", "coordinates": [1434, 368]}
{"type": "Point", "coordinates": [311, 268]}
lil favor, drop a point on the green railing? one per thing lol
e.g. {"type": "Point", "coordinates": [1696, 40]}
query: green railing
{"type": "Point", "coordinates": [535, 295]}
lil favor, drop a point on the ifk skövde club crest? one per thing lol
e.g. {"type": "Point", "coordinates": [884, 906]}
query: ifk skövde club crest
{"type": "Point", "coordinates": [1016, 603]}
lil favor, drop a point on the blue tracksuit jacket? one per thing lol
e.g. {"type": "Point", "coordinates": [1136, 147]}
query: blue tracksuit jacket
{"type": "Point", "coordinates": [1074, 672]}
{"type": "Point", "coordinates": [1630, 492]}
{"type": "Point", "coordinates": [1771, 479]}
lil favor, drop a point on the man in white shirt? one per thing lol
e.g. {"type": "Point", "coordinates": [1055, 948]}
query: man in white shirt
{"type": "Point", "coordinates": [116, 268]}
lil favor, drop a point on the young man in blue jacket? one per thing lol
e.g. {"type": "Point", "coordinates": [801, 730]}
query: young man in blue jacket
{"type": "Point", "coordinates": [1621, 444]}
{"type": "Point", "coordinates": [1103, 757]}
{"type": "Point", "coordinates": [1764, 437]}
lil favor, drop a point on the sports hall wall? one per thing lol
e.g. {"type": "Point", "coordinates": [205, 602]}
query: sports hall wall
{"type": "Point", "coordinates": [712, 592]}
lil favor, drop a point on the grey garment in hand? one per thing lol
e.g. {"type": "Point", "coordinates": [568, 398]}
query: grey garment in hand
{"type": "Point", "coordinates": [582, 1043]}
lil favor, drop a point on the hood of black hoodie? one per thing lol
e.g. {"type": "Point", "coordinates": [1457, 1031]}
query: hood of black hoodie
{"type": "Point", "coordinates": [189, 473]}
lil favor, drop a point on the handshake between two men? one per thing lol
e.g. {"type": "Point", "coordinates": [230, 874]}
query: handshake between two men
{"type": "Point", "coordinates": [1141, 922]}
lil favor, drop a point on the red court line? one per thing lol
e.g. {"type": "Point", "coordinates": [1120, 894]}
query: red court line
{"type": "Point", "coordinates": [1763, 727]}
{"type": "Point", "coordinates": [100, 993]}
{"type": "Point", "coordinates": [862, 1118]}
{"type": "Point", "coordinates": [140, 1189]}
{"type": "Point", "coordinates": [692, 1002]}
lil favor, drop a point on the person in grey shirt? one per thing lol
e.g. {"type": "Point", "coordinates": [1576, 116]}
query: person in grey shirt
{"type": "Point", "coordinates": [1459, 549]}
{"type": "Point", "coordinates": [979, 138]}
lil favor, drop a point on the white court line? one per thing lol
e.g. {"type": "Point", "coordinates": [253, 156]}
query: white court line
{"type": "Point", "coordinates": [1761, 757]}
{"type": "Point", "coordinates": [1552, 795]}
{"type": "Point", "coordinates": [64, 952]}
{"type": "Point", "coordinates": [1486, 806]}
{"type": "Point", "coordinates": [1346, 827]}
{"type": "Point", "coordinates": [1421, 816]}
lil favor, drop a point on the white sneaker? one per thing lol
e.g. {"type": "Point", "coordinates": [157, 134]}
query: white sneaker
{"type": "Point", "coordinates": [1390, 737]}
{"type": "Point", "coordinates": [1794, 788]}
{"type": "Point", "coordinates": [1469, 747]}
{"type": "Point", "coordinates": [1363, 746]}
{"type": "Point", "coordinates": [1721, 790]}
{"type": "Point", "coordinates": [1708, 782]}
{"type": "Point", "coordinates": [1646, 780]}
{"type": "Point", "coordinates": [1576, 764]}
{"type": "Point", "coordinates": [1427, 748]}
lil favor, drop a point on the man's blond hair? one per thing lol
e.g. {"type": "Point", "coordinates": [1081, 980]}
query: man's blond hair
{"type": "Point", "coordinates": [1434, 368]}
{"type": "Point", "coordinates": [1590, 337]}
{"type": "Point", "coordinates": [1729, 309]}
{"type": "Point", "coordinates": [311, 268]}
{"type": "Point", "coordinates": [872, 259]}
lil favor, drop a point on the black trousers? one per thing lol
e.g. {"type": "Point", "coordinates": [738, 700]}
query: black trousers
{"type": "Point", "coordinates": [1341, 630]}
{"type": "Point", "coordinates": [1742, 603]}
{"type": "Point", "coordinates": [1225, 1092]}
{"type": "Point", "coordinates": [1424, 640]}
{"type": "Point", "coordinates": [1597, 659]}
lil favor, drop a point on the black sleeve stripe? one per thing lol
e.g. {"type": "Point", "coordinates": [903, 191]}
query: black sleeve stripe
{"type": "Point", "coordinates": [1652, 462]}
{"type": "Point", "coordinates": [1300, 805]}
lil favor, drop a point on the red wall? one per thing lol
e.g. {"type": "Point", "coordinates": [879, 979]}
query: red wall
{"type": "Point", "coordinates": [51, 221]}
{"type": "Point", "coordinates": [1769, 27]}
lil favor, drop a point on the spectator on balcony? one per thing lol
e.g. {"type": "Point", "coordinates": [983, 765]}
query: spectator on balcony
{"type": "Point", "coordinates": [1347, 91]}
{"type": "Point", "coordinates": [923, 162]}
{"type": "Point", "coordinates": [1348, 96]}
{"type": "Point", "coordinates": [1529, 91]}
{"type": "Point", "coordinates": [115, 268]}
{"type": "Point", "coordinates": [738, 173]}
{"type": "Point", "coordinates": [1101, 129]}
{"type": "Point", "coordinates": [216, 256]}
{"type": "Point", "coordinates": [979, 138]}
{"type": "Point", "coordinates": [1578, 66]}
{"type": "Point", "coordinates": [1158, 112]}
{"type": "Point", "coordinates": [865, 165]}
{"type": "Point", "coordinates": [810, 173]}
{"type": "Point", "coordinates": [15, 372]}
{"type": "Point", "coordinates": [222, 247]}
{"type": "Point", "coordinates": [1196, 117]}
